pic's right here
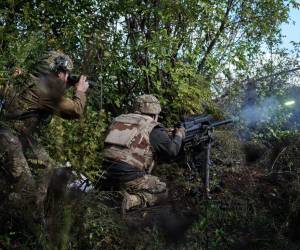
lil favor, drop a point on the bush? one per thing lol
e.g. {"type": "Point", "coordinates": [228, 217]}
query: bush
{"type": "Point", "coordinates": [79, 142]}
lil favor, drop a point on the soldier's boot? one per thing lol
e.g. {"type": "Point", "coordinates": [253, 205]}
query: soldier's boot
{"type": "Point", "coordinates": [155, 199]}
{"type": "Point", "coordinates": [130, 201]}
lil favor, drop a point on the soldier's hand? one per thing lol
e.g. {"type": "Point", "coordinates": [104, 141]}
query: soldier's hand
{"type": "Point", "coordinates": [180, 132]}
{"type": "Point", "coordinates": [82, 84]}
{"type": "Point", "coordinates": [170, 132]}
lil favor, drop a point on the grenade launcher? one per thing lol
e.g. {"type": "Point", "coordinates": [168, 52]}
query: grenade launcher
{"type": "Point", "coordinates": [199, 130]}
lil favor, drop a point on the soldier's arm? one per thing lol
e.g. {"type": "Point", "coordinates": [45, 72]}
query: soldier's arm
{"type": "Point", "coordinates": [165, 146]}
{"type": "Point", "coordinates": [72, 108]}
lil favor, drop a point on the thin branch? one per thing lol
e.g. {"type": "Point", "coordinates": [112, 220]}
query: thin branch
{"type": "Point", "coordinates": [217, 35]}
{"type": "Point", "coordinates": [278, 157]}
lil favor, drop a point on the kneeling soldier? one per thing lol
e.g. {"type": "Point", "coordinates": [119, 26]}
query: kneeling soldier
{"type": "Point", "coordinates": [131, 145]}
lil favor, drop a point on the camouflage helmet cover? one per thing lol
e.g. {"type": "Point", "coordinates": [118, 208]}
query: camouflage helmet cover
{"type": "Point", "coordinates": [56, 61]}
{"type": "Point", "coordinates": [147, 104]}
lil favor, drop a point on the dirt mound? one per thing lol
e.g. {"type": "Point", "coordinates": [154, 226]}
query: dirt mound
{"type": "Point", "coordinates": [255, 151]}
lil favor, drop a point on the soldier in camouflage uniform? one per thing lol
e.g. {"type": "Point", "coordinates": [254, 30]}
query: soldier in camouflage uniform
{"type": "Point", "coordinates": [25, 110]}
{"type": "Point", "coordinates": [131, 145]}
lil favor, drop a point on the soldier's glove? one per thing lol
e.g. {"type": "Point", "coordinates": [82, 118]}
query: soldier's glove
{"type": "Point", "coordinates": [180, 132]}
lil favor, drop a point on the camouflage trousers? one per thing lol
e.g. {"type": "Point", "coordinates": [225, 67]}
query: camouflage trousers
{"type": "Point", "coordinates": [148, 188]}
{"type": "Point", "coordinates": [18, 156]}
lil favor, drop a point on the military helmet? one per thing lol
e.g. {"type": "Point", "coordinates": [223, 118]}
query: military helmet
{"type": "Point", "coordinates": [147, 104]}
{"type": "Point", "coordinates": [57, 61]}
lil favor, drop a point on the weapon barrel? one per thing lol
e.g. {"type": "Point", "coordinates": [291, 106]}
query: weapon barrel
{"type": "Point", "coordinates": [219, 123]}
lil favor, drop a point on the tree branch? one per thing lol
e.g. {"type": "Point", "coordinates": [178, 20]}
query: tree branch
{"type": "Point", "coordinates": [216, 37]}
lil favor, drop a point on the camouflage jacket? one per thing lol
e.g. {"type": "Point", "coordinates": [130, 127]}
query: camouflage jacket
{"type": "Point", "coordinates": [127, 141]}
{"type": "Point", "coordinates": [26, 109]}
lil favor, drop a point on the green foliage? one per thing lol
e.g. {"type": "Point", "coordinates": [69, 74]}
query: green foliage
{"type": "Point", "coordinates": [173, 49]}
{"type": "Point", "coordinates": [102, 227]}
{"type": "Point", "coordinates": [79, 142]}
{"type": "Point", "coordinates": [144, 46]}
{"type": "Point", "coordinates": [217, 228]}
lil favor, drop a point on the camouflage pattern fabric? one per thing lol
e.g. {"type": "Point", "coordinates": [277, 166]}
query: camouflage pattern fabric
{"type": "Point", "coordinates": [56, 60]}
{"type": "Point", "coordinates": [11, 151]}
{"type": "Point", "coordinates": [36, 155]}
{"type": "Point", "coordinates": [149, 188]}
{"type": "Point", "coordinates": [128, 141]}
{"type": "Point", "coordinates": [147, 104]}
{"type": "Point", "coordinates": [18, 158]}
{"type": "Point", "coordinates": [24, 112]}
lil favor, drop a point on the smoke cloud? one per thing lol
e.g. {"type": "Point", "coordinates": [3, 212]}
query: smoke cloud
{"type": "Point", "coordinates": [260, 113]}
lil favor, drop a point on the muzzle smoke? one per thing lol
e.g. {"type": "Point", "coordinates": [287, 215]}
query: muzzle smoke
{"type": "Point", "coordinates": [259, 113]}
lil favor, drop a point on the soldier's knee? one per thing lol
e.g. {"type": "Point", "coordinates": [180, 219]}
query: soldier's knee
{"type": "Point", "coordinates": [154, 185]}
{"type": "Point", "coordinates": [151, 199]}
